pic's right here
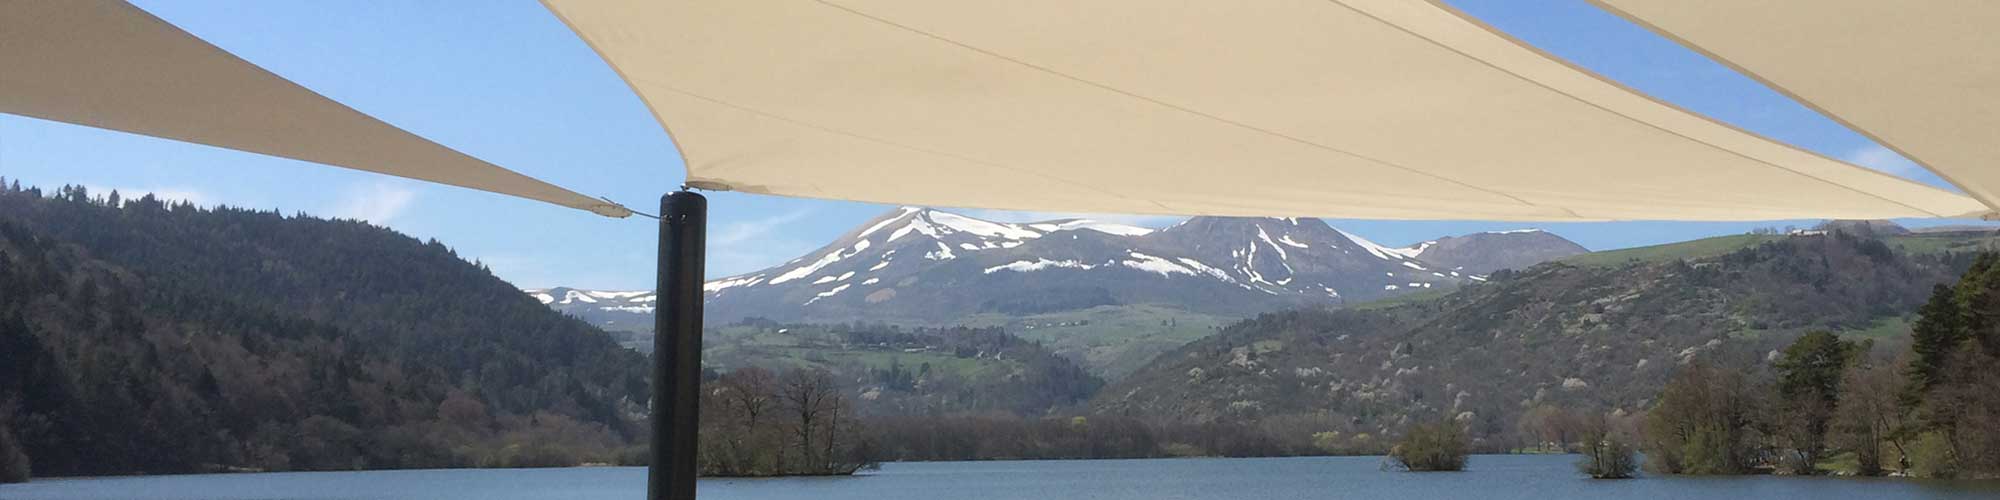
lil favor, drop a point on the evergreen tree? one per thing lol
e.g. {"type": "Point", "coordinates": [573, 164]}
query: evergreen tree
{"type": "Point", "coordinates": [1809, 380]}
{"type": "Point", "coordinates": [1978, 294]}
{"type": "Point", "coordinates": [155, 339]}
{"type": "Point", "coordinates": [1939, 329]}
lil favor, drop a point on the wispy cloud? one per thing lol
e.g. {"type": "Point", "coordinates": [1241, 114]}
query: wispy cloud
{"type": "Point", "coordinates": [1883, 160]}
{"type": "Point", "coordinates": [377, 202]}
{"type": "Point", "coordinates": [744, 231]}
{"type": "Point", "coordinates": [1154, 221]}
{"type": "Point", "coordinates": [748, 245]}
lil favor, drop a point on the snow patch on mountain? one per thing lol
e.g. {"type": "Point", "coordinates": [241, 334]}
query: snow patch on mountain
{"type": "Point", "coordinates": [829, 293]}
{"type": "Point", "coordinates": [1153, 264]}
{"type": "Point", "coordinates": [983, 228]}
{"type": "Point", "coordinates": [577, 296]}
{"type": "Point", "coordinates": [942, 253]}
{"type": "Point", "coordinates": [1377, 250]}
{"type": "Point", "coordinates": [809, 269]}
{"type": "Point", "coordinates": [723, 284]}
{"type": "Point", "coordinates": [1102, 227]}
{"type": "Point", "coordinates": [887, 221]}
{"type": "Point", "coordinates": [1205, 269]}
{"type": "Point", "coordinates": [1022, 266]}
{"type": "Point", "coordinates": [1267, 240]}
{"type": "Point", "coordinates": [1416, 251]}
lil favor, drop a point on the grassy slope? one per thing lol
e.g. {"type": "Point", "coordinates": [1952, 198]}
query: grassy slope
{"type": "Point", "coordinates": [1883, 329]}
{"type": "Point", "coordinates": [1916, 243]}
{"type": "Point", "coordinates": [1110, 341]}
{"type": "Point", "coordinates": [1942, 242]}
{"type": "Point", "coordinates": [1705, 247]}
{"type": "Point", "coordinates": [736, 346]}
{"type": "Point", "coordinates": [1403, 299]}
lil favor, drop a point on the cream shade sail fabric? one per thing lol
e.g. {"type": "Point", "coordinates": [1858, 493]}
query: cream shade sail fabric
{"type": "Point", "coordinates": [1921, 77]}
{"type": "Point", "coordinates": [107, 64]}
{"type": "Point", "coordinates": [1382, 109]}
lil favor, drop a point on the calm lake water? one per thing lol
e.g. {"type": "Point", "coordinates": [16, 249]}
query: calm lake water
{"type": "Point", "coordinates": [1491, 477]}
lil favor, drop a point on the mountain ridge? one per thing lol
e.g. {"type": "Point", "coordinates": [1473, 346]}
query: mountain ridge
{"type": "Point", "coordinates": [927, 266]}
{"type": "Point", "coordinates": [1485, 252]}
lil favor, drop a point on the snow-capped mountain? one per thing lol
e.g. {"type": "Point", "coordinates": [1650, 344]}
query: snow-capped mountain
{"type": "Point", "coordinates": [1484, 253]}
{"type": "Point", "coordinates": [616, 310]}
{"type": "Point", "coordinates": [930, 266]}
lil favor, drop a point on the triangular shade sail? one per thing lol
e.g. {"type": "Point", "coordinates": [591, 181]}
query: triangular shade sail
{"type": "Point", "coordinates": [1921, 77]}
{"type": "Point", "coordinates": [107, 64]}
{"type": "Point", "coordinates": [1385, 109]}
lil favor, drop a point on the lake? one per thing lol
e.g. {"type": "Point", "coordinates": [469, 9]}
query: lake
{"type": "Point", "coordinates": [1539, 477]}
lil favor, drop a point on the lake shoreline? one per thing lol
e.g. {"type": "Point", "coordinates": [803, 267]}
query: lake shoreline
{"type": "Point", "coordinates": [1473, 464]}
{"type": "Point", "coordinates": [1527, 477]}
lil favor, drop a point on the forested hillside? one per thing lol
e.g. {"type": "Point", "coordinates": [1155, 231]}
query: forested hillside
{"type": "Point", "coordinates": [1602, 337]}
{"type": "Point", "coordinates": [142, 336]}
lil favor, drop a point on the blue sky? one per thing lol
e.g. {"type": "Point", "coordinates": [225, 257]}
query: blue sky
{"type": "Point", "coordinates": [507, 82]}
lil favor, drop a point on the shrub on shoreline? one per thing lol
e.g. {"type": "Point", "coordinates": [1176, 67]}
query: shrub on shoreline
{"type": "Point", "coordinates": [1430, 447]}
{"type": "Point", "coordinates": [1607, 450]}
{"type": "Point", "coordinates": [1608, 458]}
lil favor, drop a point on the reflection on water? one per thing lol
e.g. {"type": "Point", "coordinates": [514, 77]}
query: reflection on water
{"type": "Point", "coordinates": [1491, 477]}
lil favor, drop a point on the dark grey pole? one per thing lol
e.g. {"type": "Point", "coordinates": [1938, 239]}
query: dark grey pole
{"type": "Point", "coordinates": [677, 346]}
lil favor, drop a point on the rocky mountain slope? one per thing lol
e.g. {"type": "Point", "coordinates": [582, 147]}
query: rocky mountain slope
{"type": "Point", "coordinates": [928, 265]}
{"type": "Point", "coordinates": [925, 266]}
{"type": "Point", "coordinates": [1483, 253]}
{"type": "Point", "coordinates": [1587, 336]}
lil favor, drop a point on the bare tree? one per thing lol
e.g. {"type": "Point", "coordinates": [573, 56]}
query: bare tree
{"type": "Point", "coordinates": [1550, 424]}
{"type": "Point", "coordinates": [807, 397]}
{"type": "Point", "coordinates": [759, 423]}
{"type": "Point", "coordinates": [1607, 447]}
{"type": "Point", "coordinates": [1870, 417]}
{"type": "Point", "coordinates": [736, 420]}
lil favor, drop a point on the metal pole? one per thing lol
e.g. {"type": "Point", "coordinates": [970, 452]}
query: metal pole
{"type": "Point", "coordinates": [677, 346]}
